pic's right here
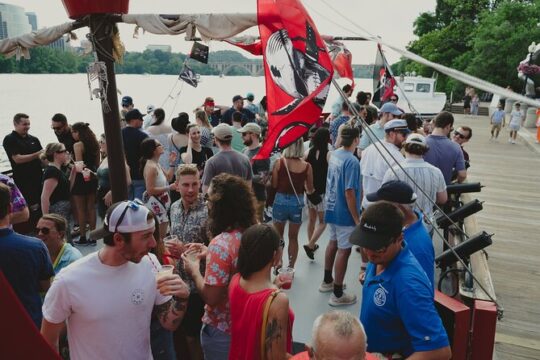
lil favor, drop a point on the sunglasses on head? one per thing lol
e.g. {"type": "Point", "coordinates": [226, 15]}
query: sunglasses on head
{"type": "Point", "coordinates": [43, 230]}
{"type": "Point", "coordinates": [61, 151]}
{"type": "Point", "coordinates": [133, 205]}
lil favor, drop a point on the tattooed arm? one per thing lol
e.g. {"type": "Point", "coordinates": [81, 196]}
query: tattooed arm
{"type": "Point", "coordinates": [277, 328]}
{"type": "Point", "coordinates": [171, 313]}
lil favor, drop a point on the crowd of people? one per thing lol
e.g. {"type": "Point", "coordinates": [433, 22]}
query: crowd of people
{"type": "Point", "coordinates": [194, 264]}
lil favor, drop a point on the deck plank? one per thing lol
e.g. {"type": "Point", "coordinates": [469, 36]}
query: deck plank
{"type": "Point", "coordinates": [510, 174]}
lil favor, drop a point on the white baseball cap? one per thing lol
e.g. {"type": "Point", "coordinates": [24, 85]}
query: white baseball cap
{"type": "Point", "coordinates": [124, 217]}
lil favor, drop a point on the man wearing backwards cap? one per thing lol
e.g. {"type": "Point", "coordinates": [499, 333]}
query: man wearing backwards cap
{"type": "Point", "coordinates": [398, 311]}
{"type": "Point", "coordinates": [376, 157]}
{"type": "Point", "coordinates": [389, 111]}
{"type": "Point", "coordinates": [108, 297]}
{"type": "Point", "coordinates": [422, 176]}
{"type": "Point", "coordinates": [415, 233]}
{"type": "Point", "coordinates": [238, 105]}
{"type": "Point", "coordinates": [226, 160]}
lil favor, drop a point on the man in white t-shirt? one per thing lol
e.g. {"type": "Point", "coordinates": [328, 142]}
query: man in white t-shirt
{"type": "Point", "coordinates": [380, 156]}
{"type": "Point", "coordinates": [107, 298]}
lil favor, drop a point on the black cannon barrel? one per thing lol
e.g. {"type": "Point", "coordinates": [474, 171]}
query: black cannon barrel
{"type": "Point", "coordinates": [459, 214]}
{"type": "Point", "coordinates": [463, 188]}
{"type": "Point", "coordinates": [464, 250]}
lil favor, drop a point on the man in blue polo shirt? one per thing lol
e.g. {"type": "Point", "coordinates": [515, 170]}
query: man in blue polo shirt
{"type": "Point", "coordinates": [415, 233]}
{"type": "Point", "coordinates": [398, 311]}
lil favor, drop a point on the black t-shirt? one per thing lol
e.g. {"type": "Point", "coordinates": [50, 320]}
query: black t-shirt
{"type": "Point", "coordinates": [61, 191]}
{"type": "Point", "coordinates": [133, 138]}
{"type": "Point", "coordinates": [67, 139]}
{"type": "Point", "coordinates": [260, 169]}
{"type": "Point", "coordinates": [199, 157]}
{"type": "Point", "coordinates": [247, 116]}
{"type": "Point", "coordinates": [25, 174]}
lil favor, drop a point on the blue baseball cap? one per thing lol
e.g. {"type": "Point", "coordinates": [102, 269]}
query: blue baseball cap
{"type": "Point", "coordinates": [127, 100]}
{"type": "Point", "coordinates": [390, 108]}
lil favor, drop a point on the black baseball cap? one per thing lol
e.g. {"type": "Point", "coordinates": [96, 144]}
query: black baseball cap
{"type": "Point", "coordinates": [395, 191]}
{"type": "Point", "coordinates": [379, 225]}
{"type": "Point", "coordinates": [134, 114]}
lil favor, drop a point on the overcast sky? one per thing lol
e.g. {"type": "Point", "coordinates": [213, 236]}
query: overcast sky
{"type": "Point", "coordinates": [392, 20]}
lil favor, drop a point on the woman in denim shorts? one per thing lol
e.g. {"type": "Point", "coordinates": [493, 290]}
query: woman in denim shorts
{"type": "Point", "coordinates": [290, 176]}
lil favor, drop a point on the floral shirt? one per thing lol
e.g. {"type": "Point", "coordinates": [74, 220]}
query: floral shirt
{"type": "Point", "coordinates": [190, 225]}
{"type": "Point", "coordinates": [221, 265]}
{"type": "Point", "coordinates": [18, 202]}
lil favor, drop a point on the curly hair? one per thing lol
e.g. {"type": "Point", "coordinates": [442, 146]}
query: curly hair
{"type": "Point", "coordinates": [88, 138]}
{"type": "Point", "coordinates": [231, 204]}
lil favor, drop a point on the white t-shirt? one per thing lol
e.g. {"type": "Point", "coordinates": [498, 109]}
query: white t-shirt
{"type": "Point", "coordinates": [108, 308]}
{"type": "Point", "coordinates": [516, 117]}
{"type": "Point", "coordinates": [374, 166]}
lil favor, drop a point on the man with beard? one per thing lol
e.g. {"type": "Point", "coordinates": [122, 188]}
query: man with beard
{"type": "Point", "coordinates": [238, 105]}
{"type": "Point", "coordinates": [62, 131]}
{"type": "Point", "coordinates": [108, 297]}
{"type": "Point", "coordinates": [261, 168]}
{"type": "Point", "coordinates": [376, 157]}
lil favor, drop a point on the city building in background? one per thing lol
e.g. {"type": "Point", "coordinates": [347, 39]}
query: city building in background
{"type": "Point", "coordinates": [13, 21]}
{"type": "Point", "coordinates": [32, 19]}
{"type": "Point", "coordinates": [164, 48]}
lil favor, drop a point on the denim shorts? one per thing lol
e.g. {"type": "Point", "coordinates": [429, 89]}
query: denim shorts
{"type": "Point", "coordinates": [287, 207]}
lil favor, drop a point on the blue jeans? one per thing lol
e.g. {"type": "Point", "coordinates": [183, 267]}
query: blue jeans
{"type": "Point", "coordinates": [136, 189]}
{"type": "Point", "coordinates": [161, 342]}
{"type": "Point", "coordinates": [215, 343]}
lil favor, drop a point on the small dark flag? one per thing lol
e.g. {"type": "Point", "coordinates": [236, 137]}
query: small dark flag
{"type": "Point", "coordinates": [199, 52]}
{"type": "Point", "coordinates": [189, 76]}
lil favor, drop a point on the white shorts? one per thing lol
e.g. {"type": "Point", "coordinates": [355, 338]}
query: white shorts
{"type": "Point", "coordinates": [341, 234]}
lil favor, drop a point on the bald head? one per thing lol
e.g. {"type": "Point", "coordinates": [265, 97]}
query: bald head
{"type": "Point", "coordinates": [338, 335]}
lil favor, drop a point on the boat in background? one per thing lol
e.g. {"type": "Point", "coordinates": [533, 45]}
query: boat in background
{"type": "Point", "coordinates": [421, 95]}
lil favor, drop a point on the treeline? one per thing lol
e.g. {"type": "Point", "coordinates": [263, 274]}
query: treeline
{"type": "Point", "coordinates": [484, 38]}
{"type": "Point", "coordinates": [44, 60]}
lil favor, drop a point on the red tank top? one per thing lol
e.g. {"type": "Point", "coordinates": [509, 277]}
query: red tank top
{"type": "Point", "coordinates": [246, 321]}
{"type": "Point", "coordinates": [298, 179]}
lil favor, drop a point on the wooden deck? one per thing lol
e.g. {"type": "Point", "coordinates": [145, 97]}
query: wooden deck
{"type": "Point", "coordinates": [511, 176]}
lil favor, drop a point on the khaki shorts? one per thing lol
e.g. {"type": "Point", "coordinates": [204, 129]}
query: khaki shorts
{"type": "Point", "coordinates": [496, 127]}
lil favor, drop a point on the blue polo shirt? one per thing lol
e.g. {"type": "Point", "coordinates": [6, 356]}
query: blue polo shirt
{"type": "Point", "coordinates": [398, 311]}
{"type": "Point", "coordinates": [421, 246]}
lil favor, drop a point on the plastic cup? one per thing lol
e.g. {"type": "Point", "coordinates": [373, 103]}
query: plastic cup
{"type": "Point", "coordinates": [192, 255]}
{"type": "Point", "coordinates": [86, 174]}
{"type": "Point", "coordinates": [164, 271]}
{"type": "Point", "coordinates": [79, 166]}
{"type": "Point", "coordinates": [286, 276]}
{"type": "Point", "coordinates": [171, 239]}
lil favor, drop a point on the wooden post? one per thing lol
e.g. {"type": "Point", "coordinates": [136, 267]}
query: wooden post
{"type": "Point", "coordinates": [101, 27]}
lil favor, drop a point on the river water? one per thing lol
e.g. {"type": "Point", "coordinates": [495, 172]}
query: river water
{"type": "Point", "coordinates": [42, 95]}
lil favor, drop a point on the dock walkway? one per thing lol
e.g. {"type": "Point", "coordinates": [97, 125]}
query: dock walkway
{"type": "Point", "coordinates": [511, 175]}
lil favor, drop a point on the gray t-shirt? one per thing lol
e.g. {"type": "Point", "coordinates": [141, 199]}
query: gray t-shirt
{"type": "Point", "coordinates": [230, 162]}
{"type": "Point", "coordinates": [444, 154]}
{"type": "Point", "coordinates": [260, 170]}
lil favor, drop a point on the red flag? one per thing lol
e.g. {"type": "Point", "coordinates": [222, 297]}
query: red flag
{"type": "Point", "coordinates": [248, 43]}
{"type": "Point", "coordinates": [384, 82]}
{"type": "Point", "coordinates": [341, 58]}
{"type": "Point", "coordinates": [298, 71]}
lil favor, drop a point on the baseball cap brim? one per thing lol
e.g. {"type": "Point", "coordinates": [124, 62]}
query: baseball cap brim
{"type": "Point", "coordinates": [372, 197]}
{"type": "Point", "coordinates": [98, 234]}
{"type": "Point", "coordinates": [368, 239]}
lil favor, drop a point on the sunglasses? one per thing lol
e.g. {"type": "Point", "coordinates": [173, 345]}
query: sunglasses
{"type": "Point", "coordinates": [246, 134]}
{"type": "Point", "coordinates": [393, 100]}
{"type": "Point", "coordinates": [458, 134]}
{"type": "Point", "coordinates": [133, 205]}
{"type": "Point", "coordinates": [43, 230]}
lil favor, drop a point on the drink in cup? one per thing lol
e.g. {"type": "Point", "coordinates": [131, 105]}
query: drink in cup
{"type": "Point", "coordinates": [79, 166]}
{"type": "Point", "coordinates": [164, 271]}
{"type": "Point", "coordinates": [192, 255]}
{"type": "Point", "coordinates": [86, 174]}
{"type": "Point", "coordinates": [171, 239]}
{"type": "Point", "coordinates": [286, 276]}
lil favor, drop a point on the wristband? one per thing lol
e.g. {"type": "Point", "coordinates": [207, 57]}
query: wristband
{"type": "Point", "coordinates": [282, 243]}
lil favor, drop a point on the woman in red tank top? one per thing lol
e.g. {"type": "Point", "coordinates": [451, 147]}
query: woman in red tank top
{"type": "Point", "coordinates": [248, 292]}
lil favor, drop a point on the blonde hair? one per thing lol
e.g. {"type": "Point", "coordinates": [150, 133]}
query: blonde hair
{"type": "Point", "coordinates": [187, 169]}
{"type": "Point", "coordinates": [201, 115]}
{"type": "Point", "coordinates": [50, 150]}
{"type": "Point", "coordinates": [295, 150]}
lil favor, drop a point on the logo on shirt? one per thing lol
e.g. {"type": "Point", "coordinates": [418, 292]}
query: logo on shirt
{"type": "Point", "coordinates": [137, 297]}
{"type": "Point", "coordinates": [379, 298]}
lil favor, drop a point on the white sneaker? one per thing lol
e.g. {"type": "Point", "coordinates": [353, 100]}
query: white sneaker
{"type": "Point", "coordinates": [510, 140]}
{"type": "Point", "coordinates": [327, 287]}
{"type": "Point", "coordinates": [513, 141]}
{"type": "Point", "coordinates": [345, 299]}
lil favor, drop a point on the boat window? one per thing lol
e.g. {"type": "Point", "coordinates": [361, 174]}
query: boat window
{"type": "Point", "coordinates": [423, 88]}
{"type": "Point", "coordinates": [408, 87]}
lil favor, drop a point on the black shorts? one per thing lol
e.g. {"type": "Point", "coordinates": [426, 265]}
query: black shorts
{"type": "Point", "coordinates": [192, 322]}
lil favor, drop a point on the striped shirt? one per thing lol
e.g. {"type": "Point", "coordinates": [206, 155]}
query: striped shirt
{"type": "Point", "coordinates": [426, 176]}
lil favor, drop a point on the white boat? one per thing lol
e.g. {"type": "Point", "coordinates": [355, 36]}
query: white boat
{"type": "Point", "coordinates": [420, 93]}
